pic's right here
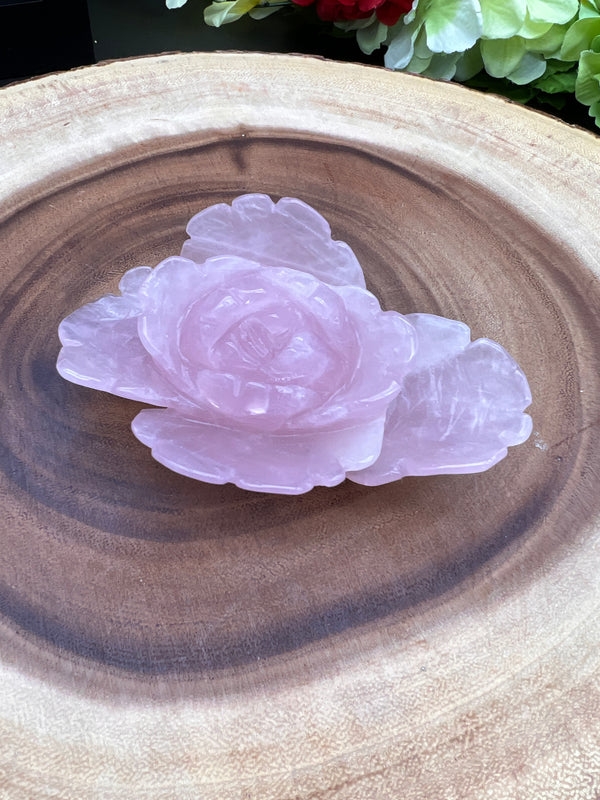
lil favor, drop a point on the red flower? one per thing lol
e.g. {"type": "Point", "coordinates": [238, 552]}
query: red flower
{"type": "Point", "coordinates": [387, 11]}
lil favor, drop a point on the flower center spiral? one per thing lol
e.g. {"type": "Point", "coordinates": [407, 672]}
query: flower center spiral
{"type": "Point", "coordinates": [257, 340]}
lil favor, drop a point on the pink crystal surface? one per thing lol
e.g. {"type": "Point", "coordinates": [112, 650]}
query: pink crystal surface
{"type": "Point", "coordinates": [275, 369]}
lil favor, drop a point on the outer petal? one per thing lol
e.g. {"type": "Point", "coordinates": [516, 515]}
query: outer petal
{"type": "Point", "coordinates": [502, 19]}
{"type": "Point", "coordinates": [437, 339]}
{"type": "Point", "coordinates": [288, 233]}
{"type": "Point", "coordinates": [558, 11]}
{"type": "Point", "coordinates": [101, 348]}
{"type": "Point", "coordinates": [453, 416]}
{"type": "Point", "coordinates": [502, 56]}
{"type": "Point", "coordinates": [402, 45]}
{"type": "Point", "coordinates": [532, 66]}
{"type": "Point", "coordinates": [453, 26]}
{"type": "Point", "coordinates": [261, 462]}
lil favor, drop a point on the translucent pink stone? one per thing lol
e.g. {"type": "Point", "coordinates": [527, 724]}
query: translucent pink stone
{"type": "Point", "coordinates": [460, 407]}
{"type": "Point", "coordinates": [288, 233]}
{"type": "Point", "coordinates": [275, 369]}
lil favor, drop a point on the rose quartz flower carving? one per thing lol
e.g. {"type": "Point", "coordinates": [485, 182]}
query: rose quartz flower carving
{"type": "Point", "coordinates": [275, 369]}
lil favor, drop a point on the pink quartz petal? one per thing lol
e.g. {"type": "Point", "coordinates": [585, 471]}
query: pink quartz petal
{"type": "Point", "coordinates": [258, 346]}
{"type": "Point", "coordinates": [387, 342]}
{"type": "Point", "coordinates": [438, 339]}
{"type": "Point", "coordinates": [168, 294]}
{"type": "Point", "coordinates": [453, 416]}
{"type": "Point", "coordinates": [288, 233]}
{"type": "Point", "coordinates": [101, 348]}
{"type": "Point", "coordinates": [261, 462]}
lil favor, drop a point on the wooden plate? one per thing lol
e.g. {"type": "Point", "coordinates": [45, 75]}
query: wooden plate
{"type": "Point", "coordinates": [432, 638]}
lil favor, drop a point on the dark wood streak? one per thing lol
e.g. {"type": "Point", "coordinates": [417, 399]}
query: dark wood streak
{"type": "Point", "coordinates": [166, 656]}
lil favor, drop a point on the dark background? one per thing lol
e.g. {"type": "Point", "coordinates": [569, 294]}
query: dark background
{"type": "Point", "coordinates": [40, 36]}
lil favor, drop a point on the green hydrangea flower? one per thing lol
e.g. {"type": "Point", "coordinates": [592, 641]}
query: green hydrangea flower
{"type": "Point", "coordinates": [581, 43]}
{"type": "Point", "coordinates": [580, 35]}
{"type": "Point", "coordinates": [434, 27]}
{"type": "Point", "coordinates": [509, 38]}
{"type": "Point", "coordinates": [587, 85]}
{"type": "Point", "coordinates": [503, 19]}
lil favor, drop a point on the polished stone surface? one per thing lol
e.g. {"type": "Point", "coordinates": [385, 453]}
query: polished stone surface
{"type": "Point", "coordinates": [275, 369]}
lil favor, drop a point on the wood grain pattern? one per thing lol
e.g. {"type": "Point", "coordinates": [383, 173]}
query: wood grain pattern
{"type": "Point", "coordinates": [163, 638]}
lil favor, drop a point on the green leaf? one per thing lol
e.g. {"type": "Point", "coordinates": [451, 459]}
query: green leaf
{"type": "Point", "coordinates": [469, 64]}
{"type": "Point", "coordinates": [502, 19]}
{"type": "Point", "coordinates": [532, 66]}
{"type": "Point", "coordinates": [452, 26]}
{"type": "Point", "coordinates": [175, 3]}
{"type": "Point", "coordinates": [554, 65]}
{"type": "Point", "coordinates": [579, 37]}
{"type": "Point", "coordinates": [555, 84]}
{"type": "Point", "coordinates": [557, 101]}
{"type": "Point", "coordinates": [549, 45]}
{"type": "Point", "coordinates": [442, 66]}
{"type": "Point", "coordinates": [560, 76]}
{"type": "Point", "coordinates": [220, 12]}
{"type": "Point", "coordinates": [355, 24]}
{"type": "Point", "coordinates": [419, 65]}
{"type": "Point", "coordinates": [595, 112]}
{"type": "Point", "coordinates": [422, 49]}
{"type": "Point", "coordinates": [502, 56]}
{"type": "Point", "coordinates": [588, 8]}
{"type": "Point", "coordinates": [262, 12]}
{"type": "Point", "coordinates": [587, 87]}
{"type": "Point", "coordinates": [401, 45]}
{"type": "Point", "coordinates": [422, 55]}
{"type": "Point", "coordinates": [371, 37]}
{"type": "Point", "coordinates": [558, 11]}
